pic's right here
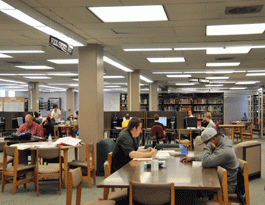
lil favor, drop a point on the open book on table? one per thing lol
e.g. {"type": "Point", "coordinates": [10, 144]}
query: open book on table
{"type": "Point", "coordinates": [67, 141]}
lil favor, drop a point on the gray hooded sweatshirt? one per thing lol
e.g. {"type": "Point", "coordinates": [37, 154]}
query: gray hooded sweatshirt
{"type": "Point", "coordinates": [223, 156]}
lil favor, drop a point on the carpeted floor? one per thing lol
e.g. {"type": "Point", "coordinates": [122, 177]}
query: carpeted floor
{"type": "Point", "coordinates": [49, 193]}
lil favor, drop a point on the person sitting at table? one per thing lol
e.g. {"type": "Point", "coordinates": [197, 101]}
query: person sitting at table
{"type": "Point", "coordinates": [126, 147]}
{"type": "Point", "coordinates": [126, 121]}
{"type": "Point", "coordinates": [36, 118]}
{"type": "Point", "coordinates": [156, 118]}
{"type": "Point", "coordinates": [204, 122]}
{"type": "Point", "coordinates": [218, 152]}
{"type": "Point", "coordinates": [48, 126]}
{"type": "Point", "coordinates": [70, 117]}
{"type": "Point", "coordinates": [245, 118]}
{"type": "Point", "coordinates": [30, 126]}
{"type": "Point", "coordinates": [211, 124]}
{"type": "Point", "coordinates": [190, 113]}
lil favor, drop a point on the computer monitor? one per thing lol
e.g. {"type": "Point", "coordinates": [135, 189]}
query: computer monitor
{"type": "Point", "coordinates": [124, 118]}
{"type": "Point", "coordinates": [190, 122]}
{"type": "Point", "coordinates": [19, 121]}
{"type": "Point", "coordinates": [163, 120]}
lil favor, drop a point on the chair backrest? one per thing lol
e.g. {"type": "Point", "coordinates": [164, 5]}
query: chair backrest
{"type": "Point", "coordinates": [244, 166]}
{"type": "Point", "coordinates": [222, 174]}
{"type": "Point", "coordinates": [184, 132]}
{"type": "Point", "coordinates": [74, 180]}
{"type": "Point", "coordinates": [10, 151]}
{"type": "Point", "coordinates": [110, 158]}
{"type": "Point", "coordinates": [198, 146]}
{"type": "Point", "coordinates": [217, 126]}
{"type": "Point", "coordinates": [49, 153]}
{"type": "Point", "coordinates": [2, 144]}
{"type": "Point", "coordinates": [152, 193]}
{"type": "Point", "coordinates": [157, 131]}
{"type": "Point", "coordinates": [106, 174]}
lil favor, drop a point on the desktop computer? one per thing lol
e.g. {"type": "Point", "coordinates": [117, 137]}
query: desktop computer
{"type": "Point", "coordinates": [190, 122]}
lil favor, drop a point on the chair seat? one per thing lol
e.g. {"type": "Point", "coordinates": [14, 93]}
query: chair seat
{"type": "Point", "coordinates": [48, 169]}
{"type": "Point", "coordinates": [246, 133]}
{"type": "Point", "coordinates": [9, 159]}
{"type": "Point", "coordinates": [78, 163]}
{"type": "Point", "coordinates": [205, 202]}
{"type": "Point", "coordinates": [21, 167]}
{"type": "Point", "coordinates": [105, 202]}
{"type": "Point", "coordinates": [233, 197]}
{"type": "Point", "coordinates": [161, 139]}
{"type": "Point", "coordinates": [118, 195]}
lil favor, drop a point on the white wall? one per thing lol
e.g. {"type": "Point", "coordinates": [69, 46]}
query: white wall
{"type": "Point", "coordinates": [234, 108]}
{"type": "Point", "coordinates": [111, 101]}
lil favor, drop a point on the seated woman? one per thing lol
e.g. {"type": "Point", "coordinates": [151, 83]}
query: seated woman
{"type": "Point", "coordinates": [211, 124]}
{"type": "Point", "coordinates": [36, 118]}
{"type": "Point", "coordinates": [48, 126]}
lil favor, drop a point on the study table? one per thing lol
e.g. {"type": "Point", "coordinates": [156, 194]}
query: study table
{"type": "Point", "coordinates": [34, 145]}
{"type": "Point", "coordinates": [185, 176]}
{"type": "Point", "coordinates": [232, 127]}
{"type": "Point", "coordinates": [56, 134]}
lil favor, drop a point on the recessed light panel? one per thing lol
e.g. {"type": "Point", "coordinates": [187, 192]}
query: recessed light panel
{"type": "Point", "coordinates": [35, 67]}
{"type": "Point", "coordinates": [145, 79]}
{"type": "Point", "coordinates": [166, 60]}
{"type": "Point", "coordinates": [116, 64]}
{"type": "Point", "coordinates": [113, 76]}
{"type": "Point", "coordinates": [5, 56]}
{"type": "Point", "coordinates": [228, 50]}
{"type": "Point", "coordinates": [222, 64]}
{"type": "Point", "coordinates": [246, 82]}
{"type": "Point", "coordinates": [130, 13]}
{"type": "Point", "coordinates": [178, 76]}
{"type": "Point", "coordinates": [37, 77]}
{"type": "Point", "coordinates": [255, 74]}
{"type": "Point", "coordinates": [217, 78]}
{"type": "Point", "coordinates": [63, 61]}
{"type": "Point", "coordinates": [167, 72]}
{"type": "Point", "coordinates": [235, 29]}
{"type": "Point", "coordinates": [147, 49]}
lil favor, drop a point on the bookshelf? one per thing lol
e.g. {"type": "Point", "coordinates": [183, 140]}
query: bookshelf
{"type": "Point", "coordinates": [144, 105]}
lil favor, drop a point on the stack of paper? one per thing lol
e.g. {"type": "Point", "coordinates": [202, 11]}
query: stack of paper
{"type": "Point", "coordinates": [67, 141]}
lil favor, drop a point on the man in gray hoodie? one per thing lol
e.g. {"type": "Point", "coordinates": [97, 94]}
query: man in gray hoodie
{"type": "Point", "coordinates": [218, 152]}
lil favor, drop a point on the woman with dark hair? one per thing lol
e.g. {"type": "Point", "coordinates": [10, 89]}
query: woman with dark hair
{"type": "Point", "coordinates": [36, 118]}
{"type": "Point", "coordinates": [48, 126]}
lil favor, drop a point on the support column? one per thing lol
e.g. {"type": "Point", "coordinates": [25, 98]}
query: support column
{"type": "Point", "coordinates": [33, 96]}
{"type": "Point", "coordinates": [134, 91]}
{"type": "Point", "coordinates": [69, 101]}
{"type": "Point", "coordinates": [153, 96]}
{"type": "Point", "coordinates": [91, 112]}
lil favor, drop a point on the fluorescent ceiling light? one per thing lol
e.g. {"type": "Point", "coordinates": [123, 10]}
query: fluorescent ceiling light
{"type": "Point", "coordinates": [112, 86]}
{"type": "Point", "coordinates": [235, 29]}
{"type": "Point", "coordinates": [116, 64]}
{"type": "Point", "coordinates": [21, 51]}
{"type": "Point", "coordinates": [7, 74]}
{"type": "Point", "coordinates": [185, 84]}
{"type": "Point", "coordinates": [75, 79]}
{"type": "Point", "coordinates": [130, 13]}
{"type": "Point", "coordinates": [219, 72]}
{"type": "Point", "coordinates": [223, 64]}
{"type": "Point", "coordinates": [35, 67]}
{"type": "Point", "coordinates": [239, 71]}
{"type": "Point", "coordinates": [62, 74]}
{"type": "Point", "coordinates": [12, 87]}
{"type": "Point", "coordinates": [74, 85]}
{"type": "Point", "coordinates": [167, 72]}
{"type": "Point", "coordinates": [255, 71]}
{"type": "Point", "coordinates": [228, 50]}
{"type": "Point", "coordinates": [223, 82]}
{"type": "Point", "coordinates": [258, 46]}
{"type": "Point", "coordinates": [212, 85]}
{"type": "Point", "coordinates": [31, 74]}
{"type": "Point", "coordinates": [237, 88]}
{"type": "Point", "coordinates": [37, 77]}
{"type": "Point", "coordinates": [246, 82]}
{"type": "Point", "coordinates": [255, 74]}
{"type": "Point", "coordinates": [217, 78]}
{"type": "Point", "coordinates": [145, 79]}
{"type": "Point", "coordinates": [113, 76]}
{"type": "Point", "coordinates": [166, 59]}
{"type": "Point", "coordinates": [71, 41]}
{"type": "Point", "coordinates": [147, 49]}
{"type": "Point", "coordinates": [63, 61]}
{"type": "Point", "coordinates": [4, 5]}
{"type": "Point", "coordinates": [51, 32]}
{"type": "Point", "coordinates": [145, 89]}
{"type": "Point", "coordinates": [178, 76]}
{"type": "Point", "coordinates": [191, 48]}
{"type": "Point", "coordinates": [11, 81]}
{"type": "Point", "coordinates": [106, 83]}
{"type": "Point", "coordinates": [5, 56]}
{"type": "Point", "coordinates": [195, 72]}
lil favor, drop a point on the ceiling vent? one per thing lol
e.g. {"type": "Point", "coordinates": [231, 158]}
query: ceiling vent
{"type": "Point", "coordinates": [243, 9]}
{"type": "Point", "coordinates": [225, 59]}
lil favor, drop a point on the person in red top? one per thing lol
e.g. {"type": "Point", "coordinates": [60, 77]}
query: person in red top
{"type": "Point", "coordinates": [30, 126]}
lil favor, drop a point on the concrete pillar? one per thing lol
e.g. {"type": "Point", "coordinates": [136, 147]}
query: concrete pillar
{"type": "Point", "coordinates": [153, 96]}
{"type": "Point", "coordinates": [69, 101]}
{"type": "Point", "coordinates": [134, 91]}
{"type": "Point", "coordinates": [91, 112]}
{"type": "Point", "coordinates": [33, 96]}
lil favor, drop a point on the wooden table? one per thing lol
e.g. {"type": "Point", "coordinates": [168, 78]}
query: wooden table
{"type": "Point", "coordinates": [67, 130]}
{"type": "Point", "coordinates": [232, 127]}
{"type": "Point", "coordinates": [34, 145]}
{"type": "Point", "coordinates": [185, 176]}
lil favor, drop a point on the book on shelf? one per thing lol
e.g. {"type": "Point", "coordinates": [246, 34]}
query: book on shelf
{"type": "Point", "coordinates": [67, 141]}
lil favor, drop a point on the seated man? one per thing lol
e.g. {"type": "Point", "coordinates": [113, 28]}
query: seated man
{"type": "Point", "coordinates": [218, 152]}
{"type": "Point", "coordinates": [156, 117]}
{"type": "Point", "coordinates": [30, 126]}
{"type": "Point", "coordinates": [126, 121]}
{"type": "Point", "coordinates": [126, 147]}
{"type": "Point", "coordinates": [190, 113]}
{"type": "Point", "coordinates": [211, 124]}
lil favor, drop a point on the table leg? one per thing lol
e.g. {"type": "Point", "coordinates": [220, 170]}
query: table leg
{"type": "Point", "coordinates": [241, 135]}
{"type": "Point", "coordinates": [55, 133]}
{"type": "Point", "coordinates": [65, 152]}
{"type": "Point", "coordinates": [219, 195]}
{"type": "Point", "coordinates": [232, 134]}
{"type": "Point", "coordinates": [67, 131]}
{"type": "Point", "coordinates": [76, 153]}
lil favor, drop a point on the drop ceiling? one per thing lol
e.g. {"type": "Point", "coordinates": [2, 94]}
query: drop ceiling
{"type": "Point", "coordinates": [185, 27]}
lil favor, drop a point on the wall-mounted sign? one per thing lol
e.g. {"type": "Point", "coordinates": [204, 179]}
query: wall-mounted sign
{"type": "Point", "coordinates": [60, 45]}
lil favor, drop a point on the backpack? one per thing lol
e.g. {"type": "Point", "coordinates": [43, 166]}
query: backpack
{"type": "Point", "coordinates": [240, 187]}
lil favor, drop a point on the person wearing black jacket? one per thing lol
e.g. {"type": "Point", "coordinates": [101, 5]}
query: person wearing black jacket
{"type": "Point", "coordinates": [48, 126]}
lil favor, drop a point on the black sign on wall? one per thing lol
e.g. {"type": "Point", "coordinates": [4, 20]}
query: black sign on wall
{"type": "Point", "coordinates": [60, 45]}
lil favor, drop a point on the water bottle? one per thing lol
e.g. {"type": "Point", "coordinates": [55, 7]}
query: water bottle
{"type": "Point", "coordinates": [50, 140]}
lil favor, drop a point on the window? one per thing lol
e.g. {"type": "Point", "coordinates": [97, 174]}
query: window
{"type": "Point", "coordinates": [11, 93]}
{"type": "Point", "coordinates": [2, 93]}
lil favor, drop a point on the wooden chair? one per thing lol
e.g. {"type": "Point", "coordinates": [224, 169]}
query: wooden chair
{"type": "Point", "coordinates": [232, 198]}
{"type": "Point", "coordinates": [75, 181]}
{"type": "Point", "coordinates": [49, 171]}
{"type": "Point", "coordinates": [87, 166]}
{"type": "Point", "coordinates": [9, 159]}
{"type": "Point", "coordinates": [17, 171]}
{"type": "Point", "coordinates": [114, 195]}
{"type": "Point", "coordinates": [187, 142]}
{"type": "Point", "coordinates": [151, 193]}
{"type": "Point", "coordinates": [247, 135]}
